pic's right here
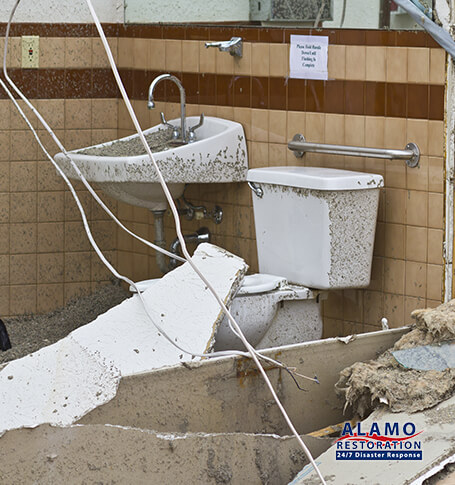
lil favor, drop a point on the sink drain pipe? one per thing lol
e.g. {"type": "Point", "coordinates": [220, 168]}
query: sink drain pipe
{"type": "Point", "coordinates": [160, 240]}
{"type": "Point", "coordinates": [200, 236]}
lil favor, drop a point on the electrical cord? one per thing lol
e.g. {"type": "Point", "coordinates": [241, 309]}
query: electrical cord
{"type": "Point", "coordinates": [233, 324]}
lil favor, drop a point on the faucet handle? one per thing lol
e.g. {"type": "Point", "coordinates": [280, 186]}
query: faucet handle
{"type": "Point", "coordinates": [175, 130]}
{"type": "Point", "coordinates": [191, 132]}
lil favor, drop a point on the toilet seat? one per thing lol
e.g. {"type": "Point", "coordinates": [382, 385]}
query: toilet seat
{"type": "Point", "coordinates": [260, 283]}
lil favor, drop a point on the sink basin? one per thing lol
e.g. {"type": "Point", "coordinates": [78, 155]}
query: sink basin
{"type": "Point", "coordinates": [218, 156]}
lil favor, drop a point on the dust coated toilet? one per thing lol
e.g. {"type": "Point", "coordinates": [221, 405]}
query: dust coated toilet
{"type": "Point", "coordinates": [315, 231]}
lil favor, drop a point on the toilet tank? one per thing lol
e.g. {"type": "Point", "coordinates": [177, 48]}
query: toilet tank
{"type": "Point", "coordinates": [316, 226]}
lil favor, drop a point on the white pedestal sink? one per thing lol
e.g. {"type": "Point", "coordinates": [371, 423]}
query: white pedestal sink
{"type": "Point", "coordinates": [219, 155]}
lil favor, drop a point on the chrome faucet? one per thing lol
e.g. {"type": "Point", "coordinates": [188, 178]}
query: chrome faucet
{"type": "Point", "coordinates": [151, 102]}
{"type": "Point", "coordinates": [233, 46]}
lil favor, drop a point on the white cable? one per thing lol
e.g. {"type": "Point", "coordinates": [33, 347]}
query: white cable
{"type": "Point", "coordinates": [250, 349]}
{"type": "Point", "coordinates": [254, 355]}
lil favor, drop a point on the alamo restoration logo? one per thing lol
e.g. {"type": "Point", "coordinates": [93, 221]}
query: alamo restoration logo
{"type": "Point", "coordinates": [382, 441]}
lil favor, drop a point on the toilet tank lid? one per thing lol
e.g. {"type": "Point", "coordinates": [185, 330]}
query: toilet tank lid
{"type": "Point", "coordinates": [316, 178]}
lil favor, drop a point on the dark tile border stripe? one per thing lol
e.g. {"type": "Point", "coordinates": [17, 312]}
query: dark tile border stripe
{"type": "Point", "coordinates": [419, 101]}
{"type": "Point", "coordinates": [252, 33]}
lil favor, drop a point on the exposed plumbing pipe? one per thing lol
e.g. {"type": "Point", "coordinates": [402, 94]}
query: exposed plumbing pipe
{"type": "Point", "coordinates": [198, 237]}
{"type": "Point", "coordinates": [160, 239]}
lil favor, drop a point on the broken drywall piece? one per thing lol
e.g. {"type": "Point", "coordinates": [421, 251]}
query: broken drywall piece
{"type": "Point", "coordinates": [437, 427]}
{"type": "Point", "coordinates": [62, 382]}
{"type": "Point", "coordinates": [58, 385]}
{"type": "Point", "coordinates": [179, 302]}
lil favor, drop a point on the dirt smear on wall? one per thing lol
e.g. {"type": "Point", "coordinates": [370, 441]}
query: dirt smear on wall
{"type": "Point", "coordinates": [366, 385]}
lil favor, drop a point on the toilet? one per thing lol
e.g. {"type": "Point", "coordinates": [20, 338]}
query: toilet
{"type": "Point", "coordinates": [315, 231]}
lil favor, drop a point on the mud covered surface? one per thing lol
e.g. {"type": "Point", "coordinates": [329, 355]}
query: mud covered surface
{"type": "Point", "coordinates": [385, 381]}
{"type": "Point", "coordinates": [32, 332]}
{"type": "Point", "coordinates": [158, 141]}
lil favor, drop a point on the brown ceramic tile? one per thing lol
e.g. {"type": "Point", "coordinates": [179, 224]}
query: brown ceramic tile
{"type": "Point", "coordinates": [242, 91]}
{"type": "Point", "coordinates": [335, 97]}
{"type": "Point", "coordinates": [297, 96]}
{"type": "Point", "coordinates": [220, 33]}
{"type": "Point", "coordinates": [207, 88]}
{"type": "Point", "coordinates": [196, 32]}
{"type": "Point", "coordinates": [354, 97]}
{"type": "Point", "coordinates": [51, 83]}
{"type": "Point", "coordinates": [141, 83]}
{"type": "Point", "coordinates": [375, 99]}
{"type": "Point", "coordinates": [396, 100]}
{"type": "Point", "coordinates": [380, 37]}
{"type": "Point", "coordinates": [225, 90]}
{"type": "Point", "coordinates": [417, 101]}
{"type": "Point", "coordinates": [127, 80]}
{"type": "Point", "coordinates": [260, 92]}
{"type": "Point", "coordinates": [278, 93]}
{"type": "Point", "coordinates": [411, 38]}
{"type": "Point", "coordinates": [174, 32]}
{"type": "Point", "coordinates": [272, 35]}
{"type": "Point", "coordinates": [104, 85]}
{"type": "Point", "coordinates": [78, 83]}
{"type": "Point", "coordinates": [26, 80]}
{"type": "Point", "coordinates": [315, 95]}
{"type": "Point", "coordinates": [351, 37]}
{"type": "Point", "coordinates": [248, 34]}
{"type": "Point", "coordinates": [431, 43]}
{"type": "Point", "coordinates": [295, 31]}
{"type": "Point", "coordinates": [436, 103]}
{"type": "Point", "coordinates": [191, 82]}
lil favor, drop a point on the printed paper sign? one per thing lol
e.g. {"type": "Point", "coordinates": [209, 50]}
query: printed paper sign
{"type": "Point", "coordinates": [308, 57]}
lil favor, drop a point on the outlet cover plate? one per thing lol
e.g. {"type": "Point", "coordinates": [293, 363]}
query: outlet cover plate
{"type": "Point", "coordinates": [30, 52]}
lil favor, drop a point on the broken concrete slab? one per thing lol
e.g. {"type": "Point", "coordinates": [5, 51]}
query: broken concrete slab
{"type": "Point", "coordinates": [437, 426]}
{"type": "Point", "coordinates": [114, 454]}
{"type": "Point", "coordinates": [60, 383]}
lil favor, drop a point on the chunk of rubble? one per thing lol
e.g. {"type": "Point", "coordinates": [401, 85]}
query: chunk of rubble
{"type": "Point", "coordinates": [383, 381]}
{"type": "Point", "coordinates": [60, 383]}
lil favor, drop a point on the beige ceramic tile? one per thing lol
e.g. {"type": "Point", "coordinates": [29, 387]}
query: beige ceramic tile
{"type": "Point", "coordinates": [259, 154]}
{"type": "Point", "coordinates": [72, 291]}
{"type": "Point", "coordinates": [4, 300]}
{"type": "Point", "coordinates": [435, 174]}
{"type": "Point", "coordinates": [104, 113]}
{"type": "Point", "coordinates": [416, 208]}
{"type": "Point", "coordinates": [279, 54]}
{"type": "Point", "coordinates": [394, 309]}
{"type": "Point", "coordinates": [435, 276]}
{"type": "Point", "coordinates": [395, 174]}
{"type": "Point", "coordinates": [376, 63]}
{"type": "Point", "coordinates": [77, 267]}
{"type": "Point", "coordinates": [337, 62]}
{"type": "Point", "coordinates": [395, 241]}
{"type": "Point", "coordinates": [22, 269]}
{"type": "Point", "coordinates": [15, 52]}
{"type": "Point", "coordinates": [241, 66]}
{"type": "Point", "coordinates": [412, 303]}
{"type": "Point", "coordinates": [353, 306]}
{"type": "Point", "coordinates": [5, 114]}
{"type": "Point", "coordinates": [418, 65]}
{"type": "Point", "coordinates": [4, 268]}
{"type": "Point", "coordinates": [23, 207]}
{"type": "Point", "coordinates": [277, 154]}
{"type": "Point", "coordinates": [78, 114]}
{"type": "Point", "coordinates": [296, 123]}
{"type": "Point", "coordinates": [416, 243]}
{"type": "Point", "coordinates": [437, 66]}
{"type": "Point", "coordinates": [395, 206]}
{"type": "Point", "coordinates": [260, 59]}
{"type": "Point", "coordinates": [374, 131]}
{"type": "Point", "coordinates": [395, 135]}
{"type": "Point", "coordinates": [50, 237]}
{"type": "Point", "coordinates": [49, 297]}
{"type": "Point", "coordinates": [373, 307]}
{"type": "Point", "coordinates": [355, 62]}
{"type": "Point", "coordinates": [435, 210]}
{"type": "Point", "coordinates": [207, 61]}
{"type": "Point", "coordinates": [417, 177]}
{"type": "Point", "coordinates": [277, 126]}
{"type": "Point", "coordinates": [397, 64]}
{"type": "Point", "coordinates": [417, 132]}
{"type": "Point", "coordinates": [141, 53]}
{"type": "Point", "coordinates": [52, 53]}
{"type": "Point", "coordinates": [334, 129]}
{"type": "Point", "coordinates": [190, 56]}
{"type": "Point", "coordinates": [435, 246]}
{"type": "Point", "coordinates": [23, 299]}
{"type": "Point", "coordinates": [99, 56]}
{"type": "Point", "coordinates": [50, 268]}
{"type": "Point", "coordinates": [260, 125]}
{"type": "Point", "coordinates": [157, 54]}
{"type": "Point", "coordinates": [23, 146]}
{"type": "Point", "coordinates": [53, 110]}
{"type": "Point", "coordinates": [394, 276]}
{"type": "Point", "coordinates": [224, 62]}
{"type": "Point", "coordinates": [23, 176]}
{"type": "Point", "coordinates": [126, 52]}
{"type": "Point", "coordinates": [23, 238]}
{"type": "Point", "coordinates": [78, 138]}
{"type": "Point", "coordinates": [354, 130]}
{"type": "Point", "coordinates": [416, 279]}
{"type": "Point", "coordinates": [436, 138]}
{"type": "Point", "coordinates": [243, 116]}
{"type": "Point", "coordinates": [50, 206]}
{"type": "Point", "coordinates": [78, 52]}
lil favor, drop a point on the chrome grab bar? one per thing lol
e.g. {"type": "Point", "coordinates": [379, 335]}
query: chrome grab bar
{"type": "Point", "coordinates": [411, 153]}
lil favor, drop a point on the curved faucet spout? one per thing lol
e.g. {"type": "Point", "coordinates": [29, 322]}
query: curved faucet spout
{"type": "Point", "coordinates": [151, 101]}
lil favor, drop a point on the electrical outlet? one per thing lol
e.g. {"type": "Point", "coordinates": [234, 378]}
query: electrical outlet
{"type": "Point", "coordinates": [30, 52]}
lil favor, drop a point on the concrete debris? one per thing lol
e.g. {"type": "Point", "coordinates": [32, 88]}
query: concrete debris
{"type": "Point", "coordinates": [60, 383]}
{"type": "Point", "coordinates": [384, 381]}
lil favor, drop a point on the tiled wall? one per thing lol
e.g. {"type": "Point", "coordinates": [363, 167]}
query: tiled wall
{"type": "Point", "coordinates": [45, 257]}
{"type": "Point", "coordinates": [385, 89]}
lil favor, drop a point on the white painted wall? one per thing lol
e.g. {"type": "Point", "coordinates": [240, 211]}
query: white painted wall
{"type": "Point", "coordinates": [149, 11]}
{"type": "Point", "coordinates": [62, 11]}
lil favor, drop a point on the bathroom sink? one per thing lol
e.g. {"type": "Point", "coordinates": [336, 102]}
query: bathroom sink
{"type": "Point", "coordinates": [218, 156]}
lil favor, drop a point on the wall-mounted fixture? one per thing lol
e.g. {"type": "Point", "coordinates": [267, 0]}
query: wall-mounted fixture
{"type": "Point", "coordinates": [411, 153]}
{"type": "Point", "coordinates": [233, 46]}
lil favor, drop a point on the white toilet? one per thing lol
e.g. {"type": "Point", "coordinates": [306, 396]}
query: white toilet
{"type": "Point", "coordinates": [315, 228]}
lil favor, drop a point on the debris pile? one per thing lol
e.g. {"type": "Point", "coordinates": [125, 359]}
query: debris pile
{"type": "Point", "coordinates": [366, 385]}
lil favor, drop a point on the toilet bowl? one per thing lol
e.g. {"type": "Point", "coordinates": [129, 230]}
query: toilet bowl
{"type": "Point", "coordinates": [315, 231]}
